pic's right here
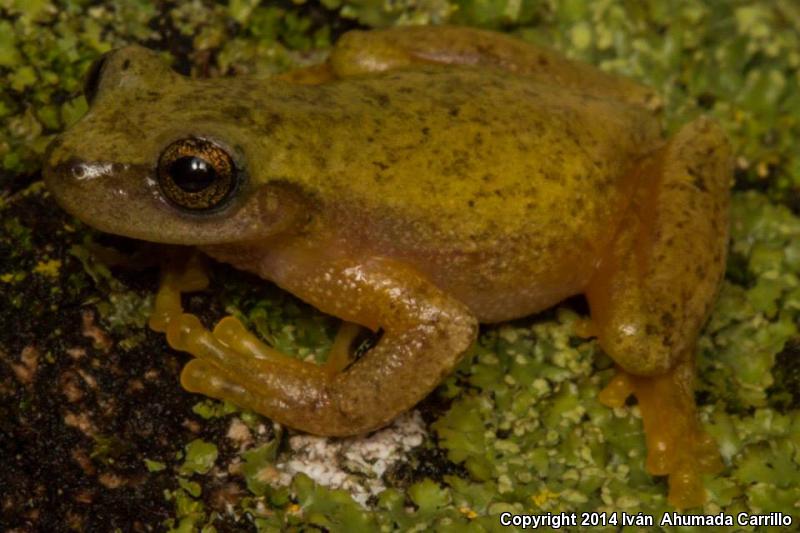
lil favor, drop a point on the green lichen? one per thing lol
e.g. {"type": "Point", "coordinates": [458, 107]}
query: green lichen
{"type": "Point", "coordinates": [333, 510]}
{"type": "Point", "coordinates": [212, 409]}
{"type": "Point", "coordinates": [199, 457]}
{"type": "Point", "coordinates": [379, 14]}
{"type": "Point", "coordinates": [154, 466]}
{"type": "Point", "coordinates": [256, 461]}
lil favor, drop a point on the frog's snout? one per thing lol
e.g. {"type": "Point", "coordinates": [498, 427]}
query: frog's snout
{"type": "Point", "coordinates": [70, 180]}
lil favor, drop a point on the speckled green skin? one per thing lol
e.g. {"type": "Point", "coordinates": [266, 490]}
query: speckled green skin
{"type": "Point", "coordinates": [433, 179]}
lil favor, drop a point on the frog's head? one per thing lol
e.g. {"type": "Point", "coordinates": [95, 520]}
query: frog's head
{"type": "Point", "coordinates": [159, 157]}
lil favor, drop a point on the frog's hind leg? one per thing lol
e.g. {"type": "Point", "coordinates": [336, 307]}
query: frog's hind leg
{"type": "Point", "coordinates": [425, 333]}
{"type": "Point", "coordinates": [362, 52]}
{"type": "Point", "coordinates": [654, 291]}
{"type": "Point", "coordinates": [313, 75]}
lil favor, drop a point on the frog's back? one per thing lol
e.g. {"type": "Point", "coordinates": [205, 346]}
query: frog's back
{"type": "Point", "coordinates": [443, 166]}
{"type": "Point", "coordinates": [467, 156]}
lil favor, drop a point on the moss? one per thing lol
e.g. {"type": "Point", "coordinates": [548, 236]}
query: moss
{"type": "Point", "coordinates": [200, 456]}
{"type": "Point", "coordinates": [257, 463]}
{"type": "Point", "coordinates": [517, 428]}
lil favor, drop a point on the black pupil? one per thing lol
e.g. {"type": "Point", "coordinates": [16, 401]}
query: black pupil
{"type": "Point", "coordinates": [192, 174]}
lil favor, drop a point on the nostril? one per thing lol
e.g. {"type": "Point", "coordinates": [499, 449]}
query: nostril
{"type": "Point", "coordinates": [93, 75]}
{"type": "Point", "coordinates": [78, 170]}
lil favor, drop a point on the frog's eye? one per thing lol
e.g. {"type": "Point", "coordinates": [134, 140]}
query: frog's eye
{"type": "Point", "coordinates": [196, 174]}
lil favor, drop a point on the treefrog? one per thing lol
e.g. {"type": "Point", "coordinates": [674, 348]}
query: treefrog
{"type": "Point", "coordinates": [419, 182]}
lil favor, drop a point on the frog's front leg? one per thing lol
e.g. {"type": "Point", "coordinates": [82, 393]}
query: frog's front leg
{"type": "Point", "coordinates": [182, 271]}
{"type": "Point", "coordinates": [654, 291]}
{"type": "Point", "coordinates": [425, 333]}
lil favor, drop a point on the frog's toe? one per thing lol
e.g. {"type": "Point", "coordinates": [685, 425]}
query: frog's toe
{"type": "Point", "coordinates": [201, 377]}
{"type": "Point", "coordinates": [204, 378]}
{"type": "Point", "coordinates": [231, 332]}
{"type": "Point", "coordinates": [233, 365]}
{"type": "Point", "coordinates": [617, 391]}
{"type": "Point", "coordinates": [234, 350]}
{"type": "Point", "coordinates": [696, 454]}
{"type": "Point", "coordinates": [676, 444]}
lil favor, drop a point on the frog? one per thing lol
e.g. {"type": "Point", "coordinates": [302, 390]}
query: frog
{"type": "Point", "coordinates": [417, 183]}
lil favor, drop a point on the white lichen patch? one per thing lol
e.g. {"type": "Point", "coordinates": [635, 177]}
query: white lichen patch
{"type": "Point", "coordinates": [354, 464]}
